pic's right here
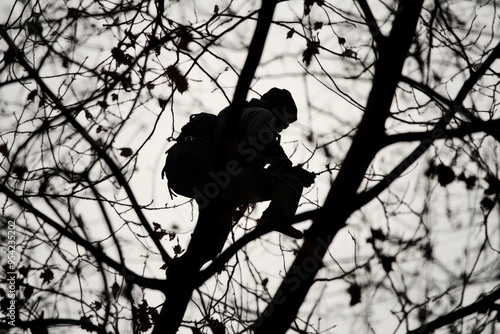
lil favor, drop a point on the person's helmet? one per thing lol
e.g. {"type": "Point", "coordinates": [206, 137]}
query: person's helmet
{"type": "Point", "coordinates": [283, 105]}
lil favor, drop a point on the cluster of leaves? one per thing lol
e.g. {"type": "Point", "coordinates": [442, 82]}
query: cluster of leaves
{"type": "Point", "coordinates": [445, 175]}
{"type": "Point", "coordinates": [145, 316]}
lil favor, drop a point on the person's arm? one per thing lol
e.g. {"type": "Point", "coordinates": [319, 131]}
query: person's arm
{"type": "Point", "coordinates": [262, 138]}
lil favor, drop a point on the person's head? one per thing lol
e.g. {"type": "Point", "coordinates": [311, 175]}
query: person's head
{"type": "Point", "coordinates": [283, 106]}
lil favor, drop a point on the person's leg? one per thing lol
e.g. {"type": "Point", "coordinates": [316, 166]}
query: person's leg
{"type": "Point", "coordinates": [282, 189]}
{"type": "Point", "coordinates": [287, 190]}
{"type": "Point", "coordinates": [210, 234]}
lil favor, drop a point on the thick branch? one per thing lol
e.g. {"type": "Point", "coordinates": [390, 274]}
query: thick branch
{"type": "Point", "coordinates": [484, 304]}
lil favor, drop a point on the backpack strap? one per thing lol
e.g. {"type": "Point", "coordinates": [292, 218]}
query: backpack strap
{"type": "Point", "coordinates": [164, 174]}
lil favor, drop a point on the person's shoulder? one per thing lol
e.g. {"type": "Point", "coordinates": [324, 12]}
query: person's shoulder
{"type": "Point", "coordinates": [257, 114]}
{"type": "Point", "coordinates": [257, 108]}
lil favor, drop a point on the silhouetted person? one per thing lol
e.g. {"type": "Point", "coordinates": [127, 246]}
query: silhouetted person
{"type": "Point", "coordinates": [247, 168]}
{"type": "Point", "coordinates": [264, 170]}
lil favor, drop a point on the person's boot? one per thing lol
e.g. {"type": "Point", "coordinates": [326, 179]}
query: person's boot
{"type": "Point", "coordinates": [282, 228]}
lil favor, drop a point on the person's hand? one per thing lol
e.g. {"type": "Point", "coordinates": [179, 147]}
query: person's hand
{"type": "Point", "coordinates": [305, 176]}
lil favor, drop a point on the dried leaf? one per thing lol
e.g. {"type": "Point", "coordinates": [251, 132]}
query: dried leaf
{"type": "Point", "coordinates": [350, 54]}
{"type": "Point", "coordinates": [24, 271]}
{"type": "Point", "coordinates": [35, 28]}
{"type": "Point", "coordinates": [19, 170]}
{"type": "Point", "coordinates": [121, 57]}
{"type": "Point", "coordinates": [142, 315]}
{"type": "Point", "coordinates": [309, 3]}
{"type": "Point", "coordinates": [9, 56]}
{"type": "Point", "coordinates": [178, 249]}
{"type": "Point", "coordinates": [42, 101]}
{"type": "Point", "coordinates": [96, 306]}
{"type": "Point", "coordinates": [470, 182]}
{"type": "Point", "coordinates": [47, 276]}
{"type": "Point", "coordinates": [354, 291]}
{"type": "Point", "coordinates": [115, 289]}
{"type": "Point", "coordinates": [445, 175]}
{"type": "Point", "coordinates": [126, 82]}
{"type": "Point", "coordinates": [427, 249]}
{"type": "Point", "coordinates": [32, 94]}
{"type": "Point", "coordinates": [177, 78]}
{"type": "Point", "coordinates": [154, 43]}
{"type": "Point", "coordinates": [4, 149]}
{"type": "Point", "coordinates": [87, 324]}
{"type": "Point", "coordinates": [377, 234]}
{"type": "Point", "coordinates": [317, 25]}
{"type": "Point", "coordinates": [216, 326]}
{"type": "Point", "coordinates": [103, 104]}
{"type": "Point", "coordinates": [487, 203]}
{"type": "Point", "coordinates": [153, 312]}
{"type": "Point", "coordinates": [28, 291]}
{"type": "Point", "coordinates": [88, 115]}
{"type": "Point", "coordinates": [73, 13]}
{"type": "Point", "coordinates": [131, 36]}
{"type": "Point", "coordinates": [387, 262]}
{"type": "Point", "coordinates": [126, 152]}
{"type": "Point", "coordinates": [311, 50]}
{"type": "Point", "coordinates": [265, 281]}
{"type": "Point", "coordinates": [162, 103]}
{"type": "Point", "coordinates": [493, 185]}
{"type": "Point", "coordinates": [185, 37]}
{"type": "Point", "coordinates": [161, 233]}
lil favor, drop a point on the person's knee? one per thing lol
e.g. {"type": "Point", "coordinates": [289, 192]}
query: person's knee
{"type": "Point", "coordinates": [294, 182]}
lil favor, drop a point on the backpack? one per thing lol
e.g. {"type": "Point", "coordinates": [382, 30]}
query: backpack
{"type": "Point", "coordinates": [189, 159]}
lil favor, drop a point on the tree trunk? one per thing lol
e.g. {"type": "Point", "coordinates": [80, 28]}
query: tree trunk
{"type": "Point", "coordinates": [208, 239]}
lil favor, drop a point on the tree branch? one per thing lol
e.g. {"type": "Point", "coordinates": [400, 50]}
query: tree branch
{"type": "Point", "coordinates": [466, 129]}
{"type": "Point", "coordinates": [372, 24]}
{"type": "Point", "coordinates": [485, 303]}
{"type": "Point", "coordinates": [218, 263]}
{"type": "Point", "coordinates": [95, 146]}
{"type": "Point", "coordinates": [251, 63]}
{"type": "Point", "coordinates": [340, 201]}
{"type": "Point", "coordinates": [437, 133]}
{"type": "Point", "coordinates": [129, 275]}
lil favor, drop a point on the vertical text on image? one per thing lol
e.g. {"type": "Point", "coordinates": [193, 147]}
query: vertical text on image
{"type": "Point", "coordinates": [11, 274]}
